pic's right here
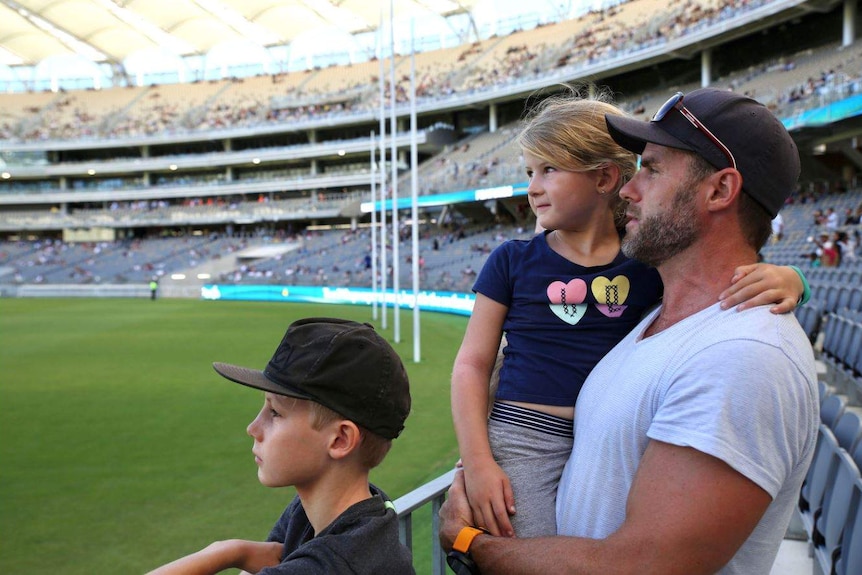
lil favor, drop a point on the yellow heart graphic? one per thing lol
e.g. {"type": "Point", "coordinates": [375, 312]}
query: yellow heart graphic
{"type": "Point", "coordinates": [611, 293]}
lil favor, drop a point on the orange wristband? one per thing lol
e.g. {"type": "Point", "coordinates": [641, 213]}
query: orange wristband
{"type": "Point", "coordinates": [465, 538]}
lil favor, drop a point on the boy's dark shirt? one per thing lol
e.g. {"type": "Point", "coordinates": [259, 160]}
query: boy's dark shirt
{"type": "Point", "coordinates": [363, 539]}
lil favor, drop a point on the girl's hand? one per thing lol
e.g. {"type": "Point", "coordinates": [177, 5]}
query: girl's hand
{"type": "Point", "coordinates": [491, 499]}
{"type": "Point", "coordinates": [762, 284]}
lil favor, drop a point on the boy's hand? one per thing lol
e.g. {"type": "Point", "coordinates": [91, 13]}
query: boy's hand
{"type": "Point", "coordinates": [490, 496]}
{"type": "Point", "coordinates": [762, 284]}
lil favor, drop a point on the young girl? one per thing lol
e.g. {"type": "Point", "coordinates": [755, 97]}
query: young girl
{"type": "Point", "coordinates": [563, 299]}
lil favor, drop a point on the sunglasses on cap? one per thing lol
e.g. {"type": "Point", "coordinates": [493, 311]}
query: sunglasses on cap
{"type": "Point", "coordinates": [675, 102]}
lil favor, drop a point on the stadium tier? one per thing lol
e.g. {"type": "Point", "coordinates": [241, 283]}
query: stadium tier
{"type": "Point", "coordinates": [276, 180]}
{"type": "Point", "coordinates": [268, 159]}
{"type": "Point", "coordinates": [90, 178]}
{"type": "Point", "coordinates": [271, 154]}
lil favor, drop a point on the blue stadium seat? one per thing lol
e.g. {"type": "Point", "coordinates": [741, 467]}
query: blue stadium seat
{"type": "Point", "coordinates": [848, 429]}
{"type": "Point", "coordinates": [820, 475]}
{"type": "Point", "coordinates": [849, 560]}
{"type": "Point", "coordinates": [832, 293]}
{"type": "Point", "coordinates": [854, 348]}
{"type": "Point", "coordinates": [843, 298]}
{"type": "Point", "coordinates": [818, 292]}
{"type": "Point", "coordinates": [855, 301]}
{"type": "Point", "coordinates": [836, 339]}
{"type": "Point", "coordinates": [829, 524]}
{"type": "Point", "coordinates": [824, 389]}
{"type": "Point", "coordinates": [856, 454]}
{"type": "Point", "coordinates": [831, 409]}
{"type": "Point", "coordinates": [810, 317]}
{"type": "Point", "coordinates": [845, 336]}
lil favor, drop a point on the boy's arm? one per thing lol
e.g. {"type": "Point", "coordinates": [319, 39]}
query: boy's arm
{"type": "Point", "coordinates": [250, 556]}
{"type": "Point", "coordinates": [762, 284]}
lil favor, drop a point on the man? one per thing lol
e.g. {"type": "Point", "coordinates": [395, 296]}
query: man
{"type": "Point", "coordinates": [693, 435]}
{"type": "Point", "coordinates": [831, 219]}
{"type": "Point", "coordinates": [777, 228]}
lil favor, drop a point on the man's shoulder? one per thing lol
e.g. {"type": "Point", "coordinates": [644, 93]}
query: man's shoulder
{"type": "Point", "coordinates": [713, 329]}
{"type": "Point", "coordinates": [758, 316]}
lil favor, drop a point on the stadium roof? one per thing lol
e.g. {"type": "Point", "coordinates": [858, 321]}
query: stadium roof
{"type": "Point", "coordinates": [111, 30]}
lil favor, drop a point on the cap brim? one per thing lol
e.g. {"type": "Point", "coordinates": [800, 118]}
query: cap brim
{"type": "Point", "coordinates": [633, 135]}
{"type": "Point", "coordinates": [255, 378]}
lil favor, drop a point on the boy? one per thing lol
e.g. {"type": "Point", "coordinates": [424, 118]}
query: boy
{"type": "Point", "coordinates": [336, 396]}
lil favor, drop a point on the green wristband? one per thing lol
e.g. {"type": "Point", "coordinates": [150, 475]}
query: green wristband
{"type": "Point", "coordinates": [806, 289]}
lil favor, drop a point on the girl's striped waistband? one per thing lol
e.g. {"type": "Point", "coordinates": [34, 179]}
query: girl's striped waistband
{"type": "Point", "coordinates": [532, 419]}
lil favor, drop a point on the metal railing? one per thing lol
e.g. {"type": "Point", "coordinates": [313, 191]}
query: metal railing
{"type": "Point", "coordinates": [433, 492]}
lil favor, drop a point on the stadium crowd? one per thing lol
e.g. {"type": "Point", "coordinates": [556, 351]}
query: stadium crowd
{"type": "Point", "coordinates": [611, 33]}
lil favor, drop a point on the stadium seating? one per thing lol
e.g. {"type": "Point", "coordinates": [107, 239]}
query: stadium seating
{"type": "Point", "coordinates": [848, 428]}
{"type": "Point", "coordinates": [829, 525]}
{"type": "Point", "coordinates": [837, 333]}
{"type": "Point", "coordinates": [810, 317]}
{"type": "Point", "coordinates": [848, 560]}
{"type": "Point", "coordinates": [823, 389]}
{"type": "Point", "coordinates": [857, 454]}
{"type": "Point", "coordinates": [832, 408]}
{"type": "Point", "coordinates": [820, 476]}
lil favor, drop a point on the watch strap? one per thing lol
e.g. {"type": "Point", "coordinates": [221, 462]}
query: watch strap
{"type": "Point", "coordinates": [465, 538]}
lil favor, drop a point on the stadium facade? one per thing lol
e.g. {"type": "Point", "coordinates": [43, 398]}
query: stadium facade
{"type": "Point", "coordinates": [229, 156]}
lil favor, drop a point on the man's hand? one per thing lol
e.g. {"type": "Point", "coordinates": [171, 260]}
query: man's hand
{"type": "Point", "coordinates": [455, 512]}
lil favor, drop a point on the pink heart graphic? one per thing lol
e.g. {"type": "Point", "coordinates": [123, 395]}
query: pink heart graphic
{"type": "Point", "coordinates": [570, 293]}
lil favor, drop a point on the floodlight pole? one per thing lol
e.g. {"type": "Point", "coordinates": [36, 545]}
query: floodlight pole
{"type": "Point", "coordinates": [393, 158]}
{"type": "Point", "coordinates": [414, 197]}
{"type": "Point", "coordinates": [383, 269]}
{"type": "Point", "coordinates": [373, 170]}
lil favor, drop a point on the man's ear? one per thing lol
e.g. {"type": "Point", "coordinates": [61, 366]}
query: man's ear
{"type": "Point", "coordinates": [345, 438]}
{"type": "Point", "coordinates": [724, 189]}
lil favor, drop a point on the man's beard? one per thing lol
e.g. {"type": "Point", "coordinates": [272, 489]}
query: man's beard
{"type": "Point", "coordinates": [662, 236]}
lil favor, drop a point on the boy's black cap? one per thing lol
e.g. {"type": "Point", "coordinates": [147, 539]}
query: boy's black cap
{"type": "Point", "coordinates": [341, 364]}
{"type": "Point", "coordinates": [765, 154]}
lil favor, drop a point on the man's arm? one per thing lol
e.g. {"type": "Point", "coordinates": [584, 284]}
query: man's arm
{"type": "Point", "coordinates": [687, 513]}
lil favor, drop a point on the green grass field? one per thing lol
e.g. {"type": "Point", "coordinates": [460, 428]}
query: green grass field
{"type": "Point", "coordinates": [122, 449]}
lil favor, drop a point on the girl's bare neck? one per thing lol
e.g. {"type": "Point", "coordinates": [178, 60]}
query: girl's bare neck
{"type": "Point", "coordinates": [586, 248]}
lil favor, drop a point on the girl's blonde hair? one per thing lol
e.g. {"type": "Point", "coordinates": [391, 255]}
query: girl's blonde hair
{"type": "Point", "coordinates": [569, 132]}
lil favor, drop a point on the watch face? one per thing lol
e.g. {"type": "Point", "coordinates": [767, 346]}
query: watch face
{"type": "Point", "coordinates": [461, 563]}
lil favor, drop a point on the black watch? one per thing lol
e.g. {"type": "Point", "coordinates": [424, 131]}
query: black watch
{"type": "Point", "coordinates": [461, 563]}
{"type": "Point", "coordinates": [459, 558]}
